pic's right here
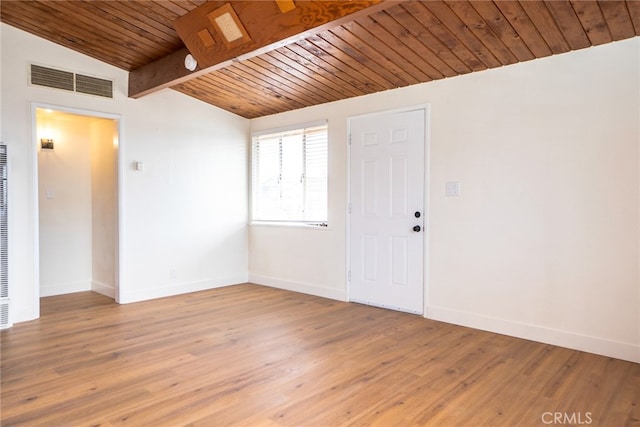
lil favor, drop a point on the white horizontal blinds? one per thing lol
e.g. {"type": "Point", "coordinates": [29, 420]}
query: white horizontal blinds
{"type": "Point", "coordinates": [316, 172]}
{"type": "Point", "coordinates": [266, 177]}
{"type": "Point", "coordinates": [290, 175]}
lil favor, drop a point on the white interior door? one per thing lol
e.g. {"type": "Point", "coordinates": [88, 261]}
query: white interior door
{"type": "Point", "coordinates": [387, 210]}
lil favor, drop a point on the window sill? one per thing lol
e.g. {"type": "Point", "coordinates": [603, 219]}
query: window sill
{"type": "Point", "coordinates": [291, 224]}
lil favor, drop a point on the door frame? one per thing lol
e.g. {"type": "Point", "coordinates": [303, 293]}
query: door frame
{"type": "Point", "coordinates": [427, 179]}
{"type": "Point", "coordinates": [35, 192]}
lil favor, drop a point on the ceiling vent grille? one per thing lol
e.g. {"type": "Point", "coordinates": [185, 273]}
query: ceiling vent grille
{"type": "Point", "coordinates": [94, 86]}
{"type": "Point", "coordinates": [49, 77]}
{"type": "Point", "coordinates": [58, 79]}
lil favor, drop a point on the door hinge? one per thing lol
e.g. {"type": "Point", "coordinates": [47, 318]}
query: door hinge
{"type": "Point", "coordinates": [349, 276]}
{"type": "Point", "coordinates": [349, 208]}
{"type": "Point", "coordinates": [349, 139]}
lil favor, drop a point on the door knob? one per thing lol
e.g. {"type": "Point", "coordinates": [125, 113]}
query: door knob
{"type": "Point", "coordinates": [416, 228]}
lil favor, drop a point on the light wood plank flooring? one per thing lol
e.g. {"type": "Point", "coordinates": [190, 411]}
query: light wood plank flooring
{"type": "Point", "coordinates": [248, 355]}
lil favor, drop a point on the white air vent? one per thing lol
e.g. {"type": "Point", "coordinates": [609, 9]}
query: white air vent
{"type": "Point", "coordinates": [5, 322]}
{"type": "Point", "coordinates": [58, 79]}
{"type": "Point", "coordinates": [4, 251]}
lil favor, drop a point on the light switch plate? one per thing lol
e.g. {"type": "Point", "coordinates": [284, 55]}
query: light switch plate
{"type": "Point", "coordinates": [452, 189]}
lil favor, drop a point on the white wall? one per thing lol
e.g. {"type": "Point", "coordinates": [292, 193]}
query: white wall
{"type": "Point", "coordinates": [174, 214]}
{"type": "Point", "coordinates": [65, 225]}
{"type": "Point", "coordinates": [104, 205]}
{"type": "Point", "coordinates": [543, 242]}
{"type": "Point", "coordinates": [186, 213]}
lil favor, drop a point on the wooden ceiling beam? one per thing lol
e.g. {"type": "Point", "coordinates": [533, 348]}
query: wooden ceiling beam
{"type": "Point", "coordinates": [265, 28]}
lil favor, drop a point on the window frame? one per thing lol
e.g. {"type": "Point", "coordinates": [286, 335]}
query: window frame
{"type": "Point", "coordinates": [295, 223]}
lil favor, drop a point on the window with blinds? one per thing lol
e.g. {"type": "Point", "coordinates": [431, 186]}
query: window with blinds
{"type": "Point", "coordinates": [289, 175]}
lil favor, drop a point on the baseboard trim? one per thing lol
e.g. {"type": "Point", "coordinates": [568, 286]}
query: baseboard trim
{"type": "Point", "coordinates": [49, 290]}
{"type": "Point", "coordinates": [103, 288]}
{"type": "Point", "coordinates": [179, 289]}
{"type": "Point", "coordinates": [596, 345]}
{"type": "Point", "coordinates": [304, 288]}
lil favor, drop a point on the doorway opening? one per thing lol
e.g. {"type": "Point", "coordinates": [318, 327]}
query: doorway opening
{"type": "Point", "coordinates": [77, 169]}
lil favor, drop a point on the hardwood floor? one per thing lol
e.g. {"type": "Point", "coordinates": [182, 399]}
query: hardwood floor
{"type": "Point", "coordinates": [248, 355]}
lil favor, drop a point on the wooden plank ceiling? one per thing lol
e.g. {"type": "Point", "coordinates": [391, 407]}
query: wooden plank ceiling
{"type": "Point", "coordinates": [408, 42]}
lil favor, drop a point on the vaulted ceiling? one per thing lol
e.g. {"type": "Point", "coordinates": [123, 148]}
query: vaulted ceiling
{"type": "Point", "coordinates": [387, 45]}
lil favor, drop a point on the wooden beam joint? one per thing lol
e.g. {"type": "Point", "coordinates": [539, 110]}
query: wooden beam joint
{"type": "Point", "coordinates": [264, 27]}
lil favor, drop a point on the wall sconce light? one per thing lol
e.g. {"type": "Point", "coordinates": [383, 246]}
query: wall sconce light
{"type": "Point", "coordinates": [46, 143]}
